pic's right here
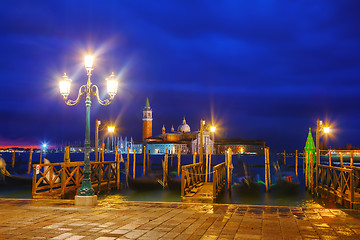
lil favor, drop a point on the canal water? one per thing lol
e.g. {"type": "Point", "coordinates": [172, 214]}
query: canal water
{"type": "Point", "coordinates": [249, 165]}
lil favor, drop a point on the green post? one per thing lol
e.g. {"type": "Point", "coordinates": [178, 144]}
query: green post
{"type": "Point", "coordinates": [309, 148]}
{"type": "Point", "coordinates": [86, 188]}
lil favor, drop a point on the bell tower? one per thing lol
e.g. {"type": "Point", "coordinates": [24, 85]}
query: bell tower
{"type": "Point", "coordinates": [147, 120]}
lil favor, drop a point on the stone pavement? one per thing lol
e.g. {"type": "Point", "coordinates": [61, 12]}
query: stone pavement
{"type": "Point", "coordinates": [60, 219]}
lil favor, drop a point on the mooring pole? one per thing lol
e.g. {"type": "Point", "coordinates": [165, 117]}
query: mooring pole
{"type": "Point", "coordinates": [179, 160]}
{"type": "Point", "coordinates": [30, 160]}
{"type": "Point", "coordinates": [296, 162]}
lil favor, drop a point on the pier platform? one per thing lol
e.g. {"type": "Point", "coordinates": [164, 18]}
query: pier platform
{"type": "Point", "coordinates": [60, 219]}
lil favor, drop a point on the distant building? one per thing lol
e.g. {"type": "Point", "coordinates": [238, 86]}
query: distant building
{"type": "Point", "coordinates": [184, 139]}
{"type": "Point", "coordinates": [189, 141]}
{"type": "Point", "coordinates": [241, 146]}
{"type": "Point", "coordinates": [147, 120]}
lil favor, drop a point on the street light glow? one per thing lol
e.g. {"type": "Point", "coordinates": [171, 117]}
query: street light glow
{"type": "Point", "coordinates": [89, 62]}
{"type": "Point", "coordinates": [326, 129]}
{"type": "Point", "coordinates": [112, 85]}
{"type": "Point", "coordinates": [111, 129]}
{"type": "Point", "coordinates": [64, 85]}
{"type": "Point", "coordinates": [212, 129]}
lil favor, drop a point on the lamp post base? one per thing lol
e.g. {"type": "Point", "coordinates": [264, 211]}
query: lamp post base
{"type": "Point", "coordinates": [85, 200]}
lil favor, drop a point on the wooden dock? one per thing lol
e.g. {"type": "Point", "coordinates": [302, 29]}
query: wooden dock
{"type": "Point", "coordinates": [193, 185]}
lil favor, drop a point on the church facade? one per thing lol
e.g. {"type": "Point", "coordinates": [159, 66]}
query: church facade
{"type": "Point", "coordinates": [183, 140]}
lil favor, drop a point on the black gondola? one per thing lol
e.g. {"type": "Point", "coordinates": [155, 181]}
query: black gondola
{"type": "Point", "coordinates": [8, 180]}
{"type": "Point", "coordinates": [148, 182]}
{"type": "Point", "coordinates": [174, 182]}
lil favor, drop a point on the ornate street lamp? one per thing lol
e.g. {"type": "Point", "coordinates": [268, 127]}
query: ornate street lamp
{"type": "Point", "coordinates": [88, 91]}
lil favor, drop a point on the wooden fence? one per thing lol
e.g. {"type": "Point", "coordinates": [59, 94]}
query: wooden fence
{"type": "Point", "coordinates": [56, 180]}
{"type": "Point", "coordinates": [340, 184]}
{"type": "Point", "coordinates": [192, 178]}
{"type": "Point", "coordinates": [219, 179]}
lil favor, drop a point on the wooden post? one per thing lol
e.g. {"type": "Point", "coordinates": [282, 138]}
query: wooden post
{"type": "Point", "coordinates": [284, 157]}
{"type": "Point", "coordinates": [127, 167]}
{"type": "Point", "coordinates": [268, 161]}
{"type": "Point", "coordinates": [165, 168]}
{"type": "Point", "coordinates": [103, 152]}
{"type": "Point", "coordinates": [148, 160]}
{"type": "Point", "coordinates": [206, 164]}
{"type": "Point", "coordinates": [30, 160]}
{"type": "Point", "coordinates": [296, 162]}
{"type": "Point", "coordinates": [183, 181]}
{"type": "Point", "coordinates": [13, 159]}
{"type": "Point", "coordinates": [351, 158]}
{"type": "Point", "coordinates": [41, 156]}
{"type": "Point", "coordinates": [67, 154]}
{"type": "Point", "coordinates": [172, 159]}
{"type": "Point", "coordinates": [144, 162]}
{"type": "Point", "coordinates": [117, 159]}
{"type": "Point", "coordinates": [134, 164]}
{"type": "Point", "coordinates": [330, 158]}
{"type": "Point", "coordinates": [194, 158]}
{"type": "Point", "coordinates": [210, 164]}
{"type": "Point", "coordinates": [179, 160]}
{"type": "Point", "coordinates": [229, 169]}
{"type": "Point", "coordinates": [341, 160]}
{"type": "Point", "coordinates": [307, 170]}
{"type": "Point", "coordinates": [352, 187]}
{"type": "Point", "coordinates": [312, 171]}
{"type": "Point", "coordinates": [304, 165]}
{"type": "Point", "coordinates": [266, 169]}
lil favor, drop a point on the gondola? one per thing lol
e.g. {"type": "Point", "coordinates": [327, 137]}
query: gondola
{"type": "Point", "coordinates": [244, 179]}
{"type": "Point", "coordinates": [147, 182]}
{"type": "Point", "coordinates": [174, 182]}
{"type": "Point", "coordinates": [8, 180]}
{"type": "Point", "coordinates": [286, 183]}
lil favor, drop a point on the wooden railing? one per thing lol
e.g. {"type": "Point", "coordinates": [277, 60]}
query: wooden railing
{"type": "Point", "coordinates": [339, 183]}
{"type": "Point", "coordinates": [57, 179]}
{"type": "Point", "coordinates": [192, 178]}
{"type": "Point", "coordinates": [218, 179]}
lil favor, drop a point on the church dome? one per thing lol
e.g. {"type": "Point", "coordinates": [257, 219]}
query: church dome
{"type": "Point", "coordinates": [184, 128]}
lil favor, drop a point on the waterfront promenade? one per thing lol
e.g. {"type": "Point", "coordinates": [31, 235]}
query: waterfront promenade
{"type": "Point", "coordinates": [60, 219]}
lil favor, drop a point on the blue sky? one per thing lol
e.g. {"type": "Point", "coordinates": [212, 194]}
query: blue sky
{"type": "Point", "coordinates": [261, 69]}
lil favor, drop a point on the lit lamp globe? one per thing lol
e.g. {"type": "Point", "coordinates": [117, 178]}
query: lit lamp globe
{"type": "Point", "coordinates": [112, 85]}
{"type": "Point", "coordinates": [212, 129]}
{"type": "Point", "coordinates": [64, 85]}
{"type": "Point", "coordinates": [89, 62]}
{"type": "Point", "coordinates": [111, 129]}
{"type": "Point", "coordinates": [326, 129]}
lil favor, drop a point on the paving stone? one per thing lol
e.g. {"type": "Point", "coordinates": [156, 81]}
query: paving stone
{"type": "Point", "coordinates": [45, 219]}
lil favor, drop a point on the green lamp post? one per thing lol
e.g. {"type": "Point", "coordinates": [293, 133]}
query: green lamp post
{"type": "Point", "coordinates": [88, 91]}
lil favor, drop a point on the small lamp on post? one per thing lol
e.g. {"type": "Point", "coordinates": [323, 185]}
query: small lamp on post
{"type": "Point", "coordinates": [212, 130]}
{"type": "Point", "coordinates": [86, 192]}
{"type": "Point", "coordinates": [320, 128]}
{"type": "Point", "coordinates": [111, 130]}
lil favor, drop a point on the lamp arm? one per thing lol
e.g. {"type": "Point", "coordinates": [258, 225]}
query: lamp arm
{"type": "Point", "coordinates": [105, 102]}
{"type": "Point", "coordinates": [69, 102]}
